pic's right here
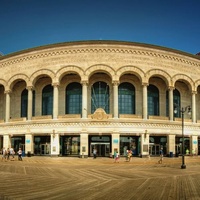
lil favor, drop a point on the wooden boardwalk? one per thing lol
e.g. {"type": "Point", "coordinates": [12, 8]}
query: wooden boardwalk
{"type": "Point", "coordinates": [99, 179]}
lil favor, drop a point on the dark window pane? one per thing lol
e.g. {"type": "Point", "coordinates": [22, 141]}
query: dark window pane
{"type": "Point", "coordinates": [100, 97]}
{"type": "Point", "coordinates": [153, 100]}
{"type": "Point", "coordinates": [47, 100]}
{"type": "Point", "coordinates": [24, 103]}
{"type": "Point", "coordinates": [73, 98]}
{"type": "Point", "coordinates": [126, 98]}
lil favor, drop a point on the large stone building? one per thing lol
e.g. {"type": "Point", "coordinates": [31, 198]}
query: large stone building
{"type": "Point", "coordinates": [68, 98]}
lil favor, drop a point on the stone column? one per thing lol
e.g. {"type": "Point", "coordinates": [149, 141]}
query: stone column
{"type": "Point", "coordinates": [115, 142]}
{"type": "Point", "coordinates": [30, 102]}
{"type": "Point", "coordinates": [84, 145]}
{"type": "Point", "coordinates": [171, 104]}
{"type": "Point", "coordinates": [84, 99]}
{"type": "Point", "coordinates": [7, 113]}
{"type": "Point", "coordinates": [194, 144]}
{"type": "Point", "coordinates": [144, 107]}
{"type": "Point", "coordinates": [55, 100]}
{"type": "Point", "coordinates": [194, 106]}
{"type": "Point", "coordinates": [115, 98]}
{"type": "Point", "coordinates": [171, 144]}
{"type": "Point", "coordinates": [55, 145]}
{"type": "Point", "coordinates": [6, 141]}
{"type": "Point", "coordinates": [29, 143]}
{"type": "Point", "coordinates": [144, 139]}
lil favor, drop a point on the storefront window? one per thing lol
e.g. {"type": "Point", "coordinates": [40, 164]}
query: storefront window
{"type": "Point", "coordinates": [156, 143]}
{"type": "Point", "coordinates": [18, 142]}
{"type": "Point", "coordinates": [128, 143]}
{"type": "Point", "coordinates": [179, 145]}
{"type": "Point", "coordinates": [70, 145]}
{"type": "Point", "coordinates": [42, 145]}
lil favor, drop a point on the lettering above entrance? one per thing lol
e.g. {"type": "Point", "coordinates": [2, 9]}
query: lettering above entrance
{"type": "Point", "coordinates": [100, 114]}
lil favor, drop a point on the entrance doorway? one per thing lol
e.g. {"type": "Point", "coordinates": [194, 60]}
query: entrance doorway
{"type": "Point", "coordinates": [154, 149]}
{"type": "Point", "coordinates": [42, 145]}
{"type": "Point", "coordinates": [156, 143]}
{"type": "Point", "coordinates": [103, 149]}
{"type": "Point", "coordinates": [18, 142]}
{"type": "Point", "coordinates": [45, 149]}
{"type": "Point", "coordinates": [70, 145]}
{"type": "Point", "coordinates": [102, 145]}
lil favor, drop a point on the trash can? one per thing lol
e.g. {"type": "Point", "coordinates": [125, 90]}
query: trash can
{"type": "Point", "coordinates": [29, 154]}
{"type": "Point", "coordinates": [23, 153]}
{"type": "Point", "coordinates": [170, 154]}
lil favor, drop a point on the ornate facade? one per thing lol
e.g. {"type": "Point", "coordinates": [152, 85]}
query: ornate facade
{"type": "Point", "coordinates": [68, 98]}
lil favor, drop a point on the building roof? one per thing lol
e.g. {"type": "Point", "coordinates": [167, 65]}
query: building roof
{"type": "Point", "coordinates": [104, 42]}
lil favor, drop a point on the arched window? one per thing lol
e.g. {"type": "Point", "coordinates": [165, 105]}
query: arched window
{"type": "Point", "coordinates": [47, 100]}
{"type": "Point", "coordinates": [100, 96]}
{"type": "Point", "coordinates": [167, 103]}
{"type": "Point", "coordinates": [24, 103]}
{"type": "Point", "coordinates": [126, 98]}
{"type": "Point", "coordinates": [153, 100]}
{"type": "Point", "coordinates": [73, 98]}
{"type": "Point", "coordinates": [33, 104]}
{"type": "Point", "coordinates": [177, 102]}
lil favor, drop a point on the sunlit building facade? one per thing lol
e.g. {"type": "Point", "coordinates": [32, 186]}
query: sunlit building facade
{"type": "Point", "coordinates": [67, 99]}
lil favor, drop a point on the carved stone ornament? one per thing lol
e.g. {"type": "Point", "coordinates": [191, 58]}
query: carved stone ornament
{"type": "Point", "coordinates": [99, 114]}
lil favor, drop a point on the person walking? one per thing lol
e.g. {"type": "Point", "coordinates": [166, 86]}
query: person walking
{"type": "Point", "coordinates": [4, 154]}
{"type": "Point", "coordinates": [94, 153]}
{"type": "Point", "coordinates": [161, 156]}
{"type": "Point", "coordinates": [116, 156]}
{"type": "Point", "coordinates": [129, 155]}
{"type": "Point", "coordinates": [12, 153]}
{"type": "Point", "coordinates": [20, 154]}
{"type": "Point", "coordinates": [8, 154]}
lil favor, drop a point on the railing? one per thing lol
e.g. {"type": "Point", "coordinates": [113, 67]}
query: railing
{"type": "Point", "coordinates": [20, 119]}
{"type": "Point", "coordinates": [158, 117]}
{"type": "Point", "coordinates": [69, 116]}
{"type": "Point", "coordinates": [130, 116]}
{"type": "Point", "coordinates": [180, 119]}
{"type": "Point", "coordinates": [42, 117]}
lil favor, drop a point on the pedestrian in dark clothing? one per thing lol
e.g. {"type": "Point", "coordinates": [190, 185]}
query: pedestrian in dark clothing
{"type": "Point", "coordinates": [20, 154]}
{"type": "Point", "coordinates": [94, 153]}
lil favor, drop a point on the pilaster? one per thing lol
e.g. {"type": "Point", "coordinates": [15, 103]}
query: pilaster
{"type": "Point", "coordinates": [55, 145]}
{"type": "Point", "coordinates": [84, 145]}
{"type": "Point", "coordinates": [144, 139]}
{"type": "Point", "coordinates": [171, 144]}
{"type": "Point", "coordinates": [115, 142]}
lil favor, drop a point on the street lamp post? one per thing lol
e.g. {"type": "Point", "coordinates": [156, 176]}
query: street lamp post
{"type": "Point", "coordinates": [183, 110]}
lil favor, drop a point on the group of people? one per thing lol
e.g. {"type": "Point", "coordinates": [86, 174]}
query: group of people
{"type": "Point", "coordinates": [128, 156]}
{"type": "Point", "coordinates": [9, 154]}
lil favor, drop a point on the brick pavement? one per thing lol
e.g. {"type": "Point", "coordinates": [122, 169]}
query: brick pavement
{"type": "Point", "coordinates": [101, 178]}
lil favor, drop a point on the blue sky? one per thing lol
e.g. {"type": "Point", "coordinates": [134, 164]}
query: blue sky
{"type": "Point", "coordinates": [30, 23]}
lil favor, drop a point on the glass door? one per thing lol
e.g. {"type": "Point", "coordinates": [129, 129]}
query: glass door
{"type": "Point", "coordinates": [103, 149]}
{"type": "Point", "coordinates": [45, 149]}
{"type": "Point", "coordinates": [154, 149]}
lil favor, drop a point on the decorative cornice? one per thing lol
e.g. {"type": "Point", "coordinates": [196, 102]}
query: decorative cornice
{"type": "Point", "coordinates": [124, 50]}
{"type": "Point", "coordinates": [102, 124]}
